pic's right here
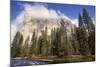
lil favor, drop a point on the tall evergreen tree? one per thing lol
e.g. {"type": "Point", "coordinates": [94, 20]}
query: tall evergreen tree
{"type": "Point", "coordinates": [74, 42]}
{"type": "Point", "coordinates": [55, 41]}
{"type": "Point", "coordinates": [52, 51]}
{"type": "Point", "coordinates": [91, 30]}
{"type": "Point", "coordinates": [33, 46]}
{"type": "Point", "coordinates": [87, 20]}
{"type": "Point", "coordinates": [44, 43]}
{"type": "Point", "coordinates": [64, 43]}
{"type": "Point", "coordinates": [39, 51]}
{"type": "Point", "coordinates": [16, 45]}
{"type": "Point", "coordinates": [85, 16]}
{"type": "Point", "coordinates": [91, 41]}
{"type": "Point", "coordinates": [80, 21]}
{"type": "Point", "coordinates": [25, 48]}
{"type": "Point", "coordinates": [83, 41]}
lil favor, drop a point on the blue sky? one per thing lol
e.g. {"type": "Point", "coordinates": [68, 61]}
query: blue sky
{"type": "Point", "coordinates": [69, 10]}
{"type": "Point", "coordinates": [48, 9]}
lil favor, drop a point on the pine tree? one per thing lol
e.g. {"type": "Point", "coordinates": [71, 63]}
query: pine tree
{"type": "Point", "coordinates": [83, 41]}
{"type": "Point", "coordinates": [39, 50]}
{"type": "Point", "coordinates": [44, 43]}
{"type": "Point", "coordinates": [64, 41]}
{"type": "Point", "coordinates": [74, 42]}
{"type": "Point", "coordinates": [91, 30]}
{"type": "Point", "coordinates": [16, 45]}
{"type": "Point", "coordinates": [52, 49]}
{"type": "Point", "coordinates": [25, 48]}
{"type": "Point", "coordinates": [66, 44]}
{"type": "Point", "coordinates": [54, 42]}
{"type": "Point", "coordinates": [91, 41]}
{"type": "Point", "coordinates": [33, 46]}
{"type": "Point", "coordinates": [80, 21]}
{"type": "Point", "coordinates": [85, 16]}
{"type": "Point", "coordinates": [87, 20]}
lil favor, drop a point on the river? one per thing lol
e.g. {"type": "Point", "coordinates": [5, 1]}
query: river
{"type": "Point", "coordinates": [23, 62]}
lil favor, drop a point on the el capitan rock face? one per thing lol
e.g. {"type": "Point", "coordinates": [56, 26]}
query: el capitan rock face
{"type": "Point", "coordinates": [39, 24]}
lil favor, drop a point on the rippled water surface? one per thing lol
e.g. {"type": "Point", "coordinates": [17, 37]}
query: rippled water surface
{"type": "Point", "coordinates": [22, 62]}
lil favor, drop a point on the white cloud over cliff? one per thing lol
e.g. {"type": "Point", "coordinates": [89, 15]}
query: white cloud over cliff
{"type": "Point", "coordinates": [35, 11]}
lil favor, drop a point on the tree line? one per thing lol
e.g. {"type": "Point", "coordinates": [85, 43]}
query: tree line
{"type": "Point", "coordinates": [81, 42]}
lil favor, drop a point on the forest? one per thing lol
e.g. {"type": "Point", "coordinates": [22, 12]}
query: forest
{"type": "Point", "coordinates": [58, 45]}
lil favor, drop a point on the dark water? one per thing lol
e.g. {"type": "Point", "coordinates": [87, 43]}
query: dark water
{"type": "Point", "coordinates": [22, 62]}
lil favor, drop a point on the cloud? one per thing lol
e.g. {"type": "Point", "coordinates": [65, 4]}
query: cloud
{"type": "Point", "coordinates": [36, 10]}
{"type": "Point", "coordinates": [16, 24]}
{"type": "Point", "coordinates": [39, 11]}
